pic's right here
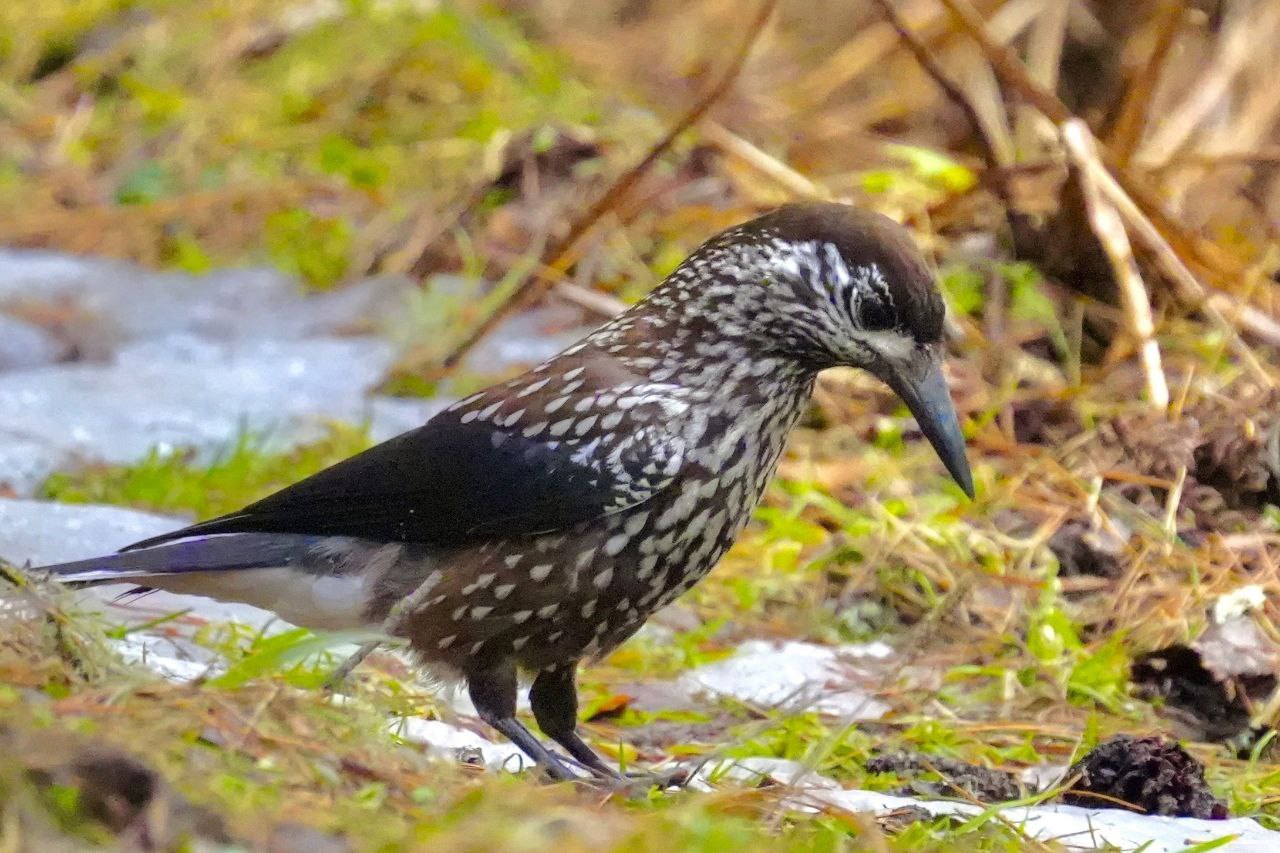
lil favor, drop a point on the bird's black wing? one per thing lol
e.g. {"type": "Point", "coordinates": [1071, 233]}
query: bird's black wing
{"type": "Point", "coordinates": [459, 478]}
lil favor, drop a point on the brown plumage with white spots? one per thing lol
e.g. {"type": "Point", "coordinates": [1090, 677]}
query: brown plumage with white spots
{"type": "Point", "coordinates": [540, 522]}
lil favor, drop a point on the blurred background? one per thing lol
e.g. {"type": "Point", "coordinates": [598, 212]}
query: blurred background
{"type": "Point", "coordinates": [243, 239]}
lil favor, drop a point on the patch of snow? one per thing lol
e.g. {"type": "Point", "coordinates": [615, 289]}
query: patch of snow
{"type": "Point", "coordinates": [1081, 828]}
{"type": "Point", "coordinates": [1072, 826]}
{"type": "Point", "coordinates": [25, 463]}
{"type": "Point", "coordinates": [794, 675]}
{"type": "Point", "coordinates": [40, 533]}
{"type": "Point", "coordinates": [390, 416]}
{"type": "Point", "coordinates": [447, 740]}
{"type": "Point", "coordinates": [107, 302]}
{"type": "Point", "coordinates": [176, 666]}
{"type": "Point", "coordinates": [23, 345]}
{"type": "Point", "coordinates": [183, 392]}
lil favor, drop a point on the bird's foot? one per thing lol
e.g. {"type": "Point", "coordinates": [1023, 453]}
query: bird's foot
{"type": "Point", "coordinates": [636, 784]}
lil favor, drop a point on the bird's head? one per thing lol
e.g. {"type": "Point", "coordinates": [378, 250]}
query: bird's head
{"type": "Point", "coordinates": [829, 285]}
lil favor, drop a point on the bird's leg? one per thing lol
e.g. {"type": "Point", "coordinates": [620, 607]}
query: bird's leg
{"type": "Point", "coordinates": [554, 699]}
{"type": "Point", "coordinates": [493, 692]}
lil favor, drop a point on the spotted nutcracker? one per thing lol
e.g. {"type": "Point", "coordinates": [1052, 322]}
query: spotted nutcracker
{"type": "Point", "coordinates": [543, 520]}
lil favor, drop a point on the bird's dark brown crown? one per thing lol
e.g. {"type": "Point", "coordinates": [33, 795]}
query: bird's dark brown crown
{"type": "Point", "coordinates": [824, 283]}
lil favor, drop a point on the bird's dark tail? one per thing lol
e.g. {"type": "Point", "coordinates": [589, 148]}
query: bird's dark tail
{"type": "Point", "coordinates": [200, 554]}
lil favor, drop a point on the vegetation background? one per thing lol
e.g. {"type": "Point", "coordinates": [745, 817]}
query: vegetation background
{"type": "Point", "coordinates": [1097, 182]}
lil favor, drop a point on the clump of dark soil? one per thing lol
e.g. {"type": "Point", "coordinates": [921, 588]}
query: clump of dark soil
{"type": "Point", "coordinates": [113, 790]}
{"type": "Point", "coordinates": [1190, 693]}
{"type": "Point", "coordinates": [956, 778]}
{"type": "Point", "coordinates": [1085, 552]}
{"type": "Point", "coordinates": [1152, 774]}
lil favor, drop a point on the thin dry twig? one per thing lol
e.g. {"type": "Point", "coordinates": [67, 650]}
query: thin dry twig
{"type": "Point", "coordinates": [954, 93]}
{"type": "Point", "coordinates": [1109, 228]}
{"type": "Point", "coordinates": [560, 255]}
{"type": "Point", "coordinates": [1019, 226]}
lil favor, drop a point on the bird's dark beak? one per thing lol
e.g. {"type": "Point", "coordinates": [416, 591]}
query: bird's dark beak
{"type": "Point", "coordinates": [924, 390]}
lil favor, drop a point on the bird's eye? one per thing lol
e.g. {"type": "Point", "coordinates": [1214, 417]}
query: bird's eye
{"type": "Point", "coordinates": [874, 316]}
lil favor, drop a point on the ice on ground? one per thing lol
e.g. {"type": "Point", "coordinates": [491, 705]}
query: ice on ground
{"type": "Point", "coordinates": [183, 392]}
{"type": "Point", "coordinates": [168, 361]}
{"type": "Point", "coordinates": [38, 533]}
{"type": "Point", "coordinates": [1074, 827]}
{"type": "Point", "coordinates": [447, 740]}
{"type": "Point", "coordinates": [794, 675]}
{"type": "Point", "coordinates": [23, 345]}
{"type": "Point", "coordinates": [25, 463]}
{"type": "Point", "coordinates": [106, 303]}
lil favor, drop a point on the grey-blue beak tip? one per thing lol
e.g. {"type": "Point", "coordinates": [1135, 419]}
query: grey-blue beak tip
{"type": "Point", "coordinates": [930, 402]}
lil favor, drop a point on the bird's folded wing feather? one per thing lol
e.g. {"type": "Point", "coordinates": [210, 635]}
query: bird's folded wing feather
{"type": "Point", "coordinates": [453, 481]}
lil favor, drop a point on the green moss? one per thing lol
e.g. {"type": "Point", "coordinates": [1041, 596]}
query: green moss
{"type": "Point", "coordinates": [176, 483]}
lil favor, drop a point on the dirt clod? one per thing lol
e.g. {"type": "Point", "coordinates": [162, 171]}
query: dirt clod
{"type": "Point", "coordinates": [1152, 774]}
{"type": "Point", "coordinates": [958, 778]}
{"type": "Point", "coordinates": [1081, 551]}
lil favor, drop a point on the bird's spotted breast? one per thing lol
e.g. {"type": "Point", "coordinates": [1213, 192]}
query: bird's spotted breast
{"type": "Point", "coordinates": [543, 599]}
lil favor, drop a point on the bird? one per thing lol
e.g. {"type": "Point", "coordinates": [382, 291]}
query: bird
{"type": "Point", "coordinates": [538, 523]}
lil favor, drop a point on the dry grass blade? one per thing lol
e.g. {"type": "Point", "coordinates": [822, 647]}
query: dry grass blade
{"type": "Point", "coordinates": [741, 150]}
{"type": "Point", "coordinates": [1236, 49]}
{"type": "Point", "coordinates": [1109, 228]}
{"type": "Point", "coordinates": [561, 254]}
{"type": "Point", "coordinates": [1185, 245]}
{"type": "Point", "coordinates": [1044, 60]}
{"type": "Point", "coordinates": [1132, 122]}
{"type": "Point", "coordinates": [1220, 308]}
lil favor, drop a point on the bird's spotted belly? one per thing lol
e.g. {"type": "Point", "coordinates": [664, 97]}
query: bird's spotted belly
{"type": "Point", "coordinates": [547, 599]}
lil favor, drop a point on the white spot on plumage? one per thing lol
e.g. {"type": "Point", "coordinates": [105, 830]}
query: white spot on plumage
{"type": "Point", "coordinates": [635, 523]}
{"type": "Point", "coordinates": [540, 572]}
{"type": "Point", "coordinates": [534, 387]}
